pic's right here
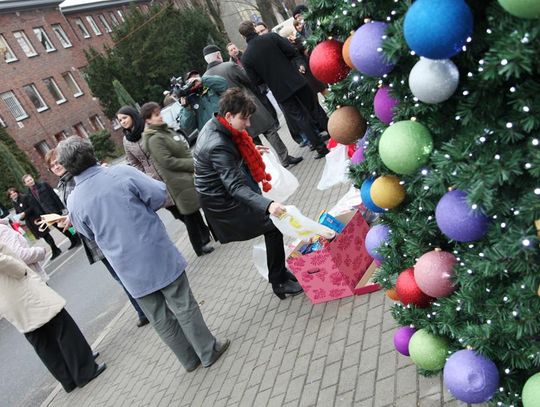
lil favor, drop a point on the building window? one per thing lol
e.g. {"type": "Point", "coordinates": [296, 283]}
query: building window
{"type": "Point", "coordinates": [93, 24]}
{"type": "Point", "coordinates": [54, 90]}
{"type": "Point", "coordinates": [115, 124]}
{"type": "Point", "coordinates": [25, 43]}
{"type": "Point", "coordinates": [2, 122]}
{"type": "Point", "coordinates": [105, 23]}
{"type": "Point", "coordinates": [121, 15]}
{"type": "Point", "coordinates": [14, 105]}
{"type": "Point", "coordinates": [96, 123]}
{"type": "Point", "coordinates": [72, 84]}
{"type": "Point", "coordinates": [42, 148]}
{"type": "Point", "coordinates": [43, 38]}
{"type": "Point", "coordinates": [62, 36]}
{"type": "Point", "coordinates": [62, 135]}
{"type": "Point", "coordinates": [82, 27]}
{"type": "Point", "coordinates": [7, 52]}
{"type": "Point", "coordinates": [35, 97]}
{"type": "Point", "coordinates": [80, 130]}
{"type": "Point", "coordinates": [114, 19]}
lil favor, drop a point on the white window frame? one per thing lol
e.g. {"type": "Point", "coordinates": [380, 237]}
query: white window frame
{"type": "Point", "coordinates": [38, 96]}
{"type": "Point", "coordinates": [94, 25]}
{"type": "Point", "coordinates": [45, 39]}
{"type": "Point", "coordinates": [121, 15]}
{"type": "Point", "coordinates": [42, 151]}
{"type": "Point", "coordinates": [115, 124]}
{"type": "Point", "coordinates": [105, 23]}
{"type": "Point", "coordinates": [21, 115]}
{"type": "Point", "coordinates": [100, 125]}
{"type": "Point", "coordinates": [61, 35]}
{"type": "Point", "coordinates": [3, 123]}
{"type": "Point", "coordinates": [83, 129]}
{"type": "Point", "coordinates": [55, 85]}
{"type": "Point", "coordinates": [7, 49]}
{"type": "Point", "coordinates": [23, 42]}
{"type": "Point", "coordinates": [114, 20]}
{"type": "Point", "coordinates": [79, 91]}
{"type": "Point", "coordinates": [84, 31]}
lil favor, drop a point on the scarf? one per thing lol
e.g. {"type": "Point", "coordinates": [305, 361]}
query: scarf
{"type": "Point", "coordinates": [252, 157]}
{"type": "Point", "coordinates": [134, 134]}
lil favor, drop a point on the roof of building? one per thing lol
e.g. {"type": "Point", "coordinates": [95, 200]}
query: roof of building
{"type": "Point", "coordinates": [11, 5]}
{"type": "Point", "coordinates": [69, 6]}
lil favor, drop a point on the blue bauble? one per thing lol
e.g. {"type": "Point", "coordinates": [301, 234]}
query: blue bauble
{"type": "Point", "coordinates": [438, 29]}
{"type": "Point", "coordinates": [365, 193]}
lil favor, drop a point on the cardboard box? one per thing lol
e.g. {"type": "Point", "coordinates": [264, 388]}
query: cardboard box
{"type": "Point", "coordinates": [341, 269]}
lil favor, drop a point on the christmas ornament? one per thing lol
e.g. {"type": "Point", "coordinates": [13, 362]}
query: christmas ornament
{"type": "Point", "coordinates": [409, 292]}
{"type": "Point", "coordinates": [376, 237]}
{"type": "Point", "coordinates": [346, 125]}
{"type": "Point", "coordinates": [358, 156]}
{"type": "Point", "coordinates": [433, 81]}
{"type": "Point", "coordinates": [438, 29]}
{"type": "Point", "coordinates": [387, 192]}
{"type": "Point", "coordinates": [428, 351]}
{"type": "Point", "coordinates": [530, 395]}
{"type": "Point", "coordinates": [457, 220]}
{"type": "Point", "coordinates": [405, 146]}
{"type": "Point", "coordinates": [345, 53]}
{"type": "Point", "coordinates": [433, 273]}
{"type": "Point", "coordinates": [401, 339]}
{"type": "Point", "coordinates": [392, 294]}
{"type": "Point", "coordinates": [326, 62]}
{"type": "Point", "coordinates": [365, 194]}
{"type": "Point", "coordinates": [522, 8]}
{"type": "Point", "coordinates": [366, 52]}
{"type": "Point", "coordinates": [384, 105]}
{"type": "Point", "coordinates": [471, 377]}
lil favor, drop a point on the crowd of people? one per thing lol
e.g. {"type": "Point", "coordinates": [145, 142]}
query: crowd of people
{"type": "Point", "coordinates": [113, 209]}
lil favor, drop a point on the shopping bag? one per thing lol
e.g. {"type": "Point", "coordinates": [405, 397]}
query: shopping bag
{"type": "Point", "coordinates": [284, 183]}
{"type": "Point", "coordinates": [259, 259]}
{"type": "Point", "coordinates": [292, 223]}
{"type": "Point", "coordinates": [336, 168]}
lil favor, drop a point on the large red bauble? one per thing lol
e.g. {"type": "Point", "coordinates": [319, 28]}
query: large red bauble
{"type": "Point", "coordinates": [409, 292]}
{"type": "Point", "coordinates": [326, 62]}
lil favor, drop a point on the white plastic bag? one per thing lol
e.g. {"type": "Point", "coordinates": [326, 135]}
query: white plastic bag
{"type": "Point", "coordinates": [292, 223]}
{"type": "Point", "coordinates": [348, 202]}
{"type": "Point", "coordinates": [336, 169]}
{"type": "Point", "coordinates": [259, 259]}
{"type": "Point", "coordinates": [283, 182]}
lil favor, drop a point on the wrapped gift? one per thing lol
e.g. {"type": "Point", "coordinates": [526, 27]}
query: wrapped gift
{"type": "Point", "coordinates": [341, 268]}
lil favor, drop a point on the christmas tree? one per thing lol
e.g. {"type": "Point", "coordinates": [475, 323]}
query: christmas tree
{"type": "Point", "coordinates": [450, 91]}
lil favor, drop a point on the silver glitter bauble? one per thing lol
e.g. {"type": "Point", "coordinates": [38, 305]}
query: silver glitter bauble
{"type": "Point", "coordinates": [433, 81]}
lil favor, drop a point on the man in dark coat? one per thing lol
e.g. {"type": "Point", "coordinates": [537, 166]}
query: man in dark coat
{"type": "Point", "coordinates": [42, 198]}
{"type": "Point", "coordinates": [227, 168]}
{"type": "Point", "coordinates": [267, 59]}
{"type": "Point", "coordinates": [262, 121]}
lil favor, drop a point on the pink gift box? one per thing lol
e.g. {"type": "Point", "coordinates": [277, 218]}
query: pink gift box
{"type": "Point", "coordinates": [341, 269]}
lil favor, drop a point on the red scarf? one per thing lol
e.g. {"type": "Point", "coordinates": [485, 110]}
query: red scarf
{"type": "Point", "coordinates": [252, 157]}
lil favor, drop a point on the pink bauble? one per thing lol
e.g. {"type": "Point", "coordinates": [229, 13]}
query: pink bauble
{"type": "Point", "coordinates": [433, 273]}
{"type": "Point", "coordinates": [384, 105]}
{"type": "Point", "coordinates": [358, 156]}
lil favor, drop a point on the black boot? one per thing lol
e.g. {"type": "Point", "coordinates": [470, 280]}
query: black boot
{"type": "Point", "coordinates": [75, 241]}
{"type": "Point", "coordinates": [288, 287]}
{"type": "Point", "coordinates": [291, 276]}
{"type": "Point", "coordinates": [321, 152]}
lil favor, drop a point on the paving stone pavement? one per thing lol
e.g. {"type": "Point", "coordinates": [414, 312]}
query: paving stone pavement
{"type": "Point", "coordinates": [283, 353]}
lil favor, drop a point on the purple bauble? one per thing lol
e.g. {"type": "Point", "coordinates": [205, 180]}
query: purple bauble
{"type": "Point", "coordinates": [358, 156]}
{"type": "Point", "coordinates": [377, 236]}
{"type": "Point", "coordinates": [401, 339]}
{"type": "Point", "coordinates": [384, 104]}
{"type": "Point", "coordinates": [365, 43]}
{"type": "Point", "coordinates": [471, 377]}
{"type": "Point", "coordinates": [457, 220]}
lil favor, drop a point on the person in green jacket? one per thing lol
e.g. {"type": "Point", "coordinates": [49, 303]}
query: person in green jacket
{"type": "Point", "coordinates": [174, 163]}
{"type": "Point", "coordinates": [203, 101]}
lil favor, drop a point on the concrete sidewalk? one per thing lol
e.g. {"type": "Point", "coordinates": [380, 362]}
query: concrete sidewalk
{"type": "Point", "coordinates": [283, 353]}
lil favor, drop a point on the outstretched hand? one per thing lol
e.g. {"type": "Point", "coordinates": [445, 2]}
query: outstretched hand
{"type": "Point", "coordinates": [262, 149]}
{"type": "Point", "coordinates": [277, 209]}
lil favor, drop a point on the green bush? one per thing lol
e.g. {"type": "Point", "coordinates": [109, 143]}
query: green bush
{"type": "Point", "coordinates": [103, 145]}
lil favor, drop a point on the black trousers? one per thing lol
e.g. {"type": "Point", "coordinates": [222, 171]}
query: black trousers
{"type": "Point", "coordinates": [50, 241]}
{"type": "Point", "coordinates": [67, 233]}
{"type": "Point", "coordinates": [275, 256]}
{"type": "Point", "coordinates": [303, 112]}
{"type": "Point", "coordinates": [63, 349]}
{"type": "Point", "coordinates": [198, 232]}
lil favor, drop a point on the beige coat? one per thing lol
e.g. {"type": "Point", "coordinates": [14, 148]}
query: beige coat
{"type": "Point", "coordinates": [25, 300]}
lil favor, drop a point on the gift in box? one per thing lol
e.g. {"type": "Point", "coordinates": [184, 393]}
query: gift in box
{"type": "Point", "coordinates": [341, 269]}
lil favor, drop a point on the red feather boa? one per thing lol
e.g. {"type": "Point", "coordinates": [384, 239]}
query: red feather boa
{"type": "Point", "coordinates": [252, 157]}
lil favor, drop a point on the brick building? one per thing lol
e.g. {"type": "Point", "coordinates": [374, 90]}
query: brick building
{"type": "Point", "coordinates": [43, 94]}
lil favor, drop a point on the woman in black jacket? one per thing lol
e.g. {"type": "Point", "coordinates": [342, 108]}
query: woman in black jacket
{"type": "Point", "coordinates": [228, 168]}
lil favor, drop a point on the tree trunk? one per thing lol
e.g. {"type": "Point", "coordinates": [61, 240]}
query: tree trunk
{"type": "Point", "coordinates": [278, 4]}
{"type": "Point", "coordinates": [214, 9]}
{"type": "Point", "coordinates": [267, 13]}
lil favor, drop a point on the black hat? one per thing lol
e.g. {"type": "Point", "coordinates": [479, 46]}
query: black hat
{"type": "Point", "coordinates": [301, 9]}
{"type": "Point", "coordinates": [191, 73]}
{"type": "Point", "coordinates": [210, 49]}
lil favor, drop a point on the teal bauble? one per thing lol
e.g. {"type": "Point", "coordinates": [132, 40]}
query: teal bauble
{"type": "Point", "coordinates": [428, 351]}
{"type": "Point", "coordinates": [522, 8]}
{"type": "Point", "coordinates": [405, 146]}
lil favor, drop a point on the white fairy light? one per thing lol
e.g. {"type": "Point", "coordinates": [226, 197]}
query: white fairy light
{"type": "Point", "coordinates": [535, 141]}
{"type": "Point", "coordinates": [526, 242]}
{"type": "Point", "coordinates": [503, 225]}
{"type": "Point", "coordinates": [504, 62]}
{"type": "Point", "coordinates": [526, 109]}
{"type": "Point", "coordinates": [537, 191]}
{"type": "Point", "coordinates": [509, 125]}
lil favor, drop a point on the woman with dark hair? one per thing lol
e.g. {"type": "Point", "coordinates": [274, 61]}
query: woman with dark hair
{"type": "Point", "coordinates": [140, 158]}
{"type": "Point", "coordinates": [23, 206]}
{"type": "Point", "coordinates": [228, 169]}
